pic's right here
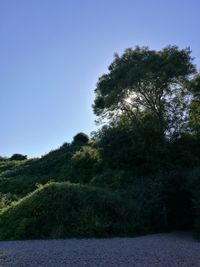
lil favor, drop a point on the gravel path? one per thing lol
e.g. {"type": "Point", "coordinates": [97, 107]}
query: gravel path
{"type": "Point", "coordinates": [174, 249]}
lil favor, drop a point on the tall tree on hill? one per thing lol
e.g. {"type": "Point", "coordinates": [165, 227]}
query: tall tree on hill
{"type": "Point", "coordinates": [144, 80]}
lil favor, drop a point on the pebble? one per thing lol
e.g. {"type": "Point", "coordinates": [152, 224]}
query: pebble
{"type": "Point", "coordinates": [177, 249]}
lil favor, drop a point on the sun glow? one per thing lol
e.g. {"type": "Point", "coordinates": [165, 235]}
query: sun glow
{"type": "Point", "coordinates": [131, 98]}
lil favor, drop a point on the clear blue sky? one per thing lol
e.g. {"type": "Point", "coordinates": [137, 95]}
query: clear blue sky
{"type": "Point", "coordinates": [53, 51]}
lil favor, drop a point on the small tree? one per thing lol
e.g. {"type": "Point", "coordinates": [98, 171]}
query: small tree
{"type": "Point", "coordinates": [80, 139]}
{"type": "Point", "coordinates": [84, 163]}
{"type": "Point", "coordinates": [18, 157]}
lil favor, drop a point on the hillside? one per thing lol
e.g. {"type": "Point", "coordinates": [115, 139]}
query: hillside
{"type": "Point", "coordinates": [137, 174]}
{"type": "Point", "coordinates": [21, 177]}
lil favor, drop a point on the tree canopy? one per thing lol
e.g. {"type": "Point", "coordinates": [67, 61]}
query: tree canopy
{"type": "Point", "coordinates": [18, 157]}
{"type": "Point", "coordinates": [147, 80]}
{"type": "Point", "coordinates": [80, 139]}
{"type": "Point", "coordinates": [195, 105]}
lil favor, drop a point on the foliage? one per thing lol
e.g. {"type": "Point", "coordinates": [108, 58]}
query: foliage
{"type": "Point", "coordinates": [6, 200]}
{"type": "Point", "coordinates": [6, 165]}
{"type": "Point", "coordinates": [184, 152]}
{"type": "Point", "coordinates": [148, 80]}
{"type": "Point", "coordinates": [63, 210]}
{"type": "Point", "coordinates": [195, 115]}
{"type": "Point", "coordinates": [136, 146]}
{"type": "Point", "coordinates": [80, 139]}
{"type": "Point", "coordinates": [194, 179]}
{"type": "Point", "coordinates": [177, 195]}
{"type": "Point", "coordinates": [146, 193]}
{"type": "Point", "coordinates": [20, 177]}
{"type": "Point", "coordinates": [84, 164]}
{"type": "Point", "coordinates": [139, 173]}
{"type": "Point", "coordinates": [111, 179]}
{"type": "Point", "coordinates": [2, 158]}
{"type": "Point", "coordinates": [18, 157]}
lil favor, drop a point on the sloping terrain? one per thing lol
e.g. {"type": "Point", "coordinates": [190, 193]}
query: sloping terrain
{"type": "Point", "coordinates": [58, 210]}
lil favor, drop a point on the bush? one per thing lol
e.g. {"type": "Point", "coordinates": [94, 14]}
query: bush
{"type": "Point", "coordinates": [178, 195]}
{"type": "Point", "coordinates": [80, 139]}
{"type": "Point", "coordinates": [112, 179]}
{"type": "Point", "coordinates": [59, 210]}
{"type": "Point", "coordinates": [84, 164]}
{"type": "Point", "coordinates": [6, 200]}
{"type": "Point", "coordinates": [147, 196]}
{"type": "Point", "coordinates": [194, 178]}
{"type": "Point", "coordinates": [18, 157]}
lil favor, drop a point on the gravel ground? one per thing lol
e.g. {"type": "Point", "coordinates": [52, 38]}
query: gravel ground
{"type": "Point", "coordinates": [173, 249]}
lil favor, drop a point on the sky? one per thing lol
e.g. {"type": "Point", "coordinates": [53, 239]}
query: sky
{"type": "Point", "coordinates": [52, 53]}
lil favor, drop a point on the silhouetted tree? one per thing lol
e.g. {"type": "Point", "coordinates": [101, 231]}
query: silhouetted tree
{"type": "Point", "coordinates": [148, 80]}
{"type": "Point", "coordinates": [80, 139]}
{"type": "Point", "coordinates": [18, 157]}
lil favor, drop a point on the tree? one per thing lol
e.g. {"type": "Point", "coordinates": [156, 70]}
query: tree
{"type": "Point", "coordinates": [80, 139]}
{"type": "Point", "coordinates": [148, 80]}
{"type": "Point", "coordinates": [84, 164]}
{"type": "Point", "coordinates": [3, 158]}
{"type": "Point", "coordinates": [195, 105]}
{"type": "Point", "coordinates": [136, 146]}
{"type": "Point", "coordinates": [18, 157]}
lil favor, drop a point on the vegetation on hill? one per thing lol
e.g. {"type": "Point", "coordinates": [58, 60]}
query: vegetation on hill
{"type": "Point", "coordinates": [139, 173]}
{"type": "Point", "coordinates": [63, 210]}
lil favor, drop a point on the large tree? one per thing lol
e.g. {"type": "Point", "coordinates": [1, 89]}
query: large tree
{"type": "Point", "coordinates": [144, 80]}
{"type": "Point", "coordinates": [195, 105]}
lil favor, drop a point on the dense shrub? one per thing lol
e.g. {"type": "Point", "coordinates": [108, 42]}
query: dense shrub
{"type": "Point", "coordinates": [178, 194]}
{"type": "Point", "coordinates": [64, 210]}
{"type": "Point", "coordinates": [6, 165]}
{"type": "Point", "coordinates": [194, 178]}
{"type": "Point", "coordinates": [147, 196]}
{"type": "Point", "coordinates": [18, 157]}
{"type": "Point", "coordinates": [21, 185]}
{"type": "Point", "coordinates": [113, 179]}
{"type": "Point", "coordinates": [80, 139]}
{"type": "Point", "coordinates": [20, 177]}
{"type": "Point", "coordinates": [84, 164]}
{"type": "Point", "coordinates": [6, 200]}
{"type": "Point", "coordinates": [3, 158]}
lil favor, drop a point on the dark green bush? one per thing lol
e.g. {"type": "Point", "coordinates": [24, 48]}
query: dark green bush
{"type": "Point", "coordinates": [147, 196]}
{"type": "Point", "coordinates": [64, 210]}
{"type": "Point", "coordinates": [20, 177]}
{"type": "Point", "coordinates": [178, 194]}
{"type": "Point", "coordinates": [84, 164]}
{"type": "Point", "coordinates": [80, 139]}
{"type": "Point", "coordinates": [113, 179]}
{"type": "Point", "coordinates": [6, 200]}
{"type": "Point", "coordinates": [18, 157]}
{"type": "Point", "coordinates": [194, 178]}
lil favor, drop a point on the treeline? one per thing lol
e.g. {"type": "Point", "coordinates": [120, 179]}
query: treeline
{"type": "Point", "coordinates": [139, 173]}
